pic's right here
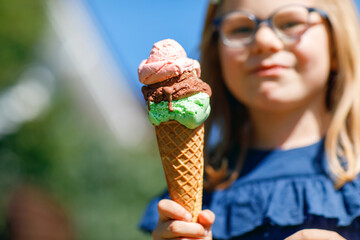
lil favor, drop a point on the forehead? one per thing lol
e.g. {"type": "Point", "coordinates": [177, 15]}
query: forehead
{"type": "Point", "coordinates": [261, 8]}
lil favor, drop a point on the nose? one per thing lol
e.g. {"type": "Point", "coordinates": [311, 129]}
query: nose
{"type": "Point", "coordinates": [266, 41]}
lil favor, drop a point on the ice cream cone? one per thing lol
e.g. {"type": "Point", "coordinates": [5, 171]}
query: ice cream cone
{"type": "Point", "coordinates": [181, 151]}
{"type": "Point", "coordinates": [178, 103]}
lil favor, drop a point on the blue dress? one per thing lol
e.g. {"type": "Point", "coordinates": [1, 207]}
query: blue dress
{"type": "Point", "coordinates": [278, 193]}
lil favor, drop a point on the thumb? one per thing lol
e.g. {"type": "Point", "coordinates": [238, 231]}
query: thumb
{"type": "Point", "coordinates": [206, 218]}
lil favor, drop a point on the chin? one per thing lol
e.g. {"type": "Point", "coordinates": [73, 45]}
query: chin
{"type": "Point", "coordinates": [275, 105]}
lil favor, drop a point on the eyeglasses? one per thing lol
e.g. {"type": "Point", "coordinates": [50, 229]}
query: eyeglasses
{"type": "Point", "coordinates": [238, 28]}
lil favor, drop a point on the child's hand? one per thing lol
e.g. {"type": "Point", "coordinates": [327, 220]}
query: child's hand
{"type": "Point", "coordinates": [313, 234]}
{"type": "Point", "coordinates": [175, 223]}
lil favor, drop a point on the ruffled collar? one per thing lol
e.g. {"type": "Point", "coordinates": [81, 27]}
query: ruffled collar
{"type": "Point", "coordinates": [277, 163]}
{"type": "Point", "coordinates": [283, 187]}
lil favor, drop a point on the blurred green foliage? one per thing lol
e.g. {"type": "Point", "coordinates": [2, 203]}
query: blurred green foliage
{"type": "Point", "coordinates": [21, 23]}
{"type": "Point", "coordinates": [103, 187]}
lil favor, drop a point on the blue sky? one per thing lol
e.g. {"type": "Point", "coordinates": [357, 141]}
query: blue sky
{"type": "Point", "coordinates": [130, 27]}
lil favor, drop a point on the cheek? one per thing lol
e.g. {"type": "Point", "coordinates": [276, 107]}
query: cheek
{"type": "Point", "coordinates": [232, 65]}
{"type": "Point", "coordinates": [313, 55]}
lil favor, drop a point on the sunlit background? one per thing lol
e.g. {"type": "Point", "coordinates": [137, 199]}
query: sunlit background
{"type": "Point", "coordinates": [78, 158]}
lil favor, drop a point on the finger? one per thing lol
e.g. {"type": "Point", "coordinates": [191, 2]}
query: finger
{"type": "Point", "coordinates": [187, 238]}
{"type": "Point", "coordinates": [207, 218]}
{"type": "Point", "coordinates": [315, 234]}
{"type": "Point", "coordinates": [170, 210]}
{"type": "Point", "coordinates": [180, 229]}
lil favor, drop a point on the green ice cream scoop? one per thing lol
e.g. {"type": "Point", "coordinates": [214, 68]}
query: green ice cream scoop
{"type": "Point", "coordinates": [190, 112]}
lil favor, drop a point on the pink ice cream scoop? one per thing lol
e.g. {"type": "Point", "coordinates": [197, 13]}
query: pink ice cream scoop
{"type": "Point", "coordinates": [167, 59]}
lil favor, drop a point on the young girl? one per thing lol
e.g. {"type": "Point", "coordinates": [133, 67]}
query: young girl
{"type": "Point", "coordinates": [286, 105]}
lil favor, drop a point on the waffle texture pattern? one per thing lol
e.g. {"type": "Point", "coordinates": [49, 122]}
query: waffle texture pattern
{"type": "Point", "coordinates": [181, 151]}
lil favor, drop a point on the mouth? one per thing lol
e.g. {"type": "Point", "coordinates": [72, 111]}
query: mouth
{"type": "Point", "coordinates": [269, 71]}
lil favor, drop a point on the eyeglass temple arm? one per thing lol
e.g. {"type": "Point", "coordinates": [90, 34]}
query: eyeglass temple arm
{"type": "Point", "coordinates": [320, 11]}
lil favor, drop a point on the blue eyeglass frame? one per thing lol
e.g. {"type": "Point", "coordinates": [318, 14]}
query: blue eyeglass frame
{"type": "Point", "coordinates": [268, 21]}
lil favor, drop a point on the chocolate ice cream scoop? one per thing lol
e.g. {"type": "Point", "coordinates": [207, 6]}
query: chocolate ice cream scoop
{"type": "Point", "coordinates": [175, 88]}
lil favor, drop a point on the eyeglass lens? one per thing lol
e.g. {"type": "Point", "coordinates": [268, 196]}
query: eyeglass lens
{"type": "Point", "coordinates": [288, 22]}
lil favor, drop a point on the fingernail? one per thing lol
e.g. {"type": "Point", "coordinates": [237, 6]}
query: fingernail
{"type": "Point", "coordinates": [206, 233]}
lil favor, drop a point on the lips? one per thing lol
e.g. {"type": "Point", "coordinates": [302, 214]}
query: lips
{"type": "Point", "coordinates": [269, 70]}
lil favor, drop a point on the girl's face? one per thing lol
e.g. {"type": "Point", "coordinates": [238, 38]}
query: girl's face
{"type": "Point", "coordinates": [269, 74]}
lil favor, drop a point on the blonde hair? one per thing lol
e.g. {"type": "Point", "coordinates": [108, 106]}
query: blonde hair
{"type": "Point", "coordinates": [343, 137]}
{"type": "Point", "coordinates": [342, 142]}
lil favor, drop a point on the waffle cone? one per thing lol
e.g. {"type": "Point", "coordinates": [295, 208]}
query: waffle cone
{"type": "Point", "coordinates": [181, 151]}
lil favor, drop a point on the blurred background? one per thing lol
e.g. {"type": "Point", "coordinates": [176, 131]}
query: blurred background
{"type": "Point", "coordinates": [78, 158]}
